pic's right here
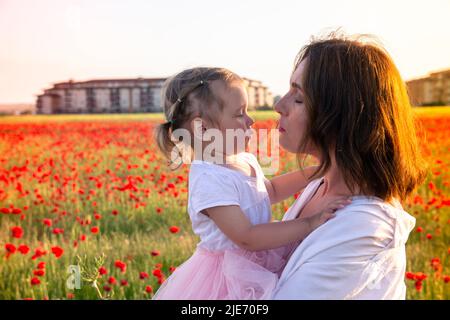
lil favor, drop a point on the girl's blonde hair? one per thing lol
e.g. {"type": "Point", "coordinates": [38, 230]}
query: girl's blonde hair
{"type": "Point", "coordinates": [186, 95]}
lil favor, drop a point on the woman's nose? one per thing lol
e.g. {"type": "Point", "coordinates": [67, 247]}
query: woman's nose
{"type": "Point", "coordinates": [278, 107]}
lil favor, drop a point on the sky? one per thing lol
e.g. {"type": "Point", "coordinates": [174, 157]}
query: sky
{"type": "Point", "coordinates": [47, 41]}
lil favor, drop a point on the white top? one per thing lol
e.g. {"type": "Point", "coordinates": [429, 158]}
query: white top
{"type": "Point", "coordinates": [212, 185]}
{"type": "Point", "coordinates": [360, 254]}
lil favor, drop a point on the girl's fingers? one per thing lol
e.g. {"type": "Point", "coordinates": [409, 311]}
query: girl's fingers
{"type": "Point", "coordinates": [340, 203]}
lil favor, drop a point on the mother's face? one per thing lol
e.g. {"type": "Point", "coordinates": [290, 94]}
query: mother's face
{"type": "Point", "coordinates": [293, 115]}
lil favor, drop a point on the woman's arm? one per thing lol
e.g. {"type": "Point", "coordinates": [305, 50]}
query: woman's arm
{"type": "Point", "coordinates": [235, 225]}
{"type": "Point", "coordinates": [286, 185]}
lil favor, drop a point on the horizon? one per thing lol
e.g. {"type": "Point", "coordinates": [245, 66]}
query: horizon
{"type": "Point", "coordinates": [50, 41]}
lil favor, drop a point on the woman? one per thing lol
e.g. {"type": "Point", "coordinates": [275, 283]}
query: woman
{"type": "Point", "coordinates": [348, 107]}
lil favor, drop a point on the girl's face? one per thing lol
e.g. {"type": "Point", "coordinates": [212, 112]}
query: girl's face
{"type": "Point", "coordinates": [234, 120]}
{"type": "Point", "coordinates": [293, 115]}
{"type": "Point", "coordinates": [235, 114]}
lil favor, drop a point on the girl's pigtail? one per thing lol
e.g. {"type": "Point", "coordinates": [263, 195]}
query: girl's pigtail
{"type": "Point", "coordinates": [163, 138]}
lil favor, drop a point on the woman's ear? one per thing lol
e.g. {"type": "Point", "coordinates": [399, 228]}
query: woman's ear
{"type": "Point", "coordinates": [198, 128]}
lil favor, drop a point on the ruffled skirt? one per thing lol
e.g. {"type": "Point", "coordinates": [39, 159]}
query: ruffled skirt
{"type": "Point", "coordinates": [225, 275]}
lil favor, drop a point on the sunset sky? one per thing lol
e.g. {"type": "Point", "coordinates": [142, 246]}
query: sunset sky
{"type": "Point", "coordinates": [48, 41]}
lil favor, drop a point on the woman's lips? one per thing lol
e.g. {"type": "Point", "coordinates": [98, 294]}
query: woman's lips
{"type": "Point", "coordinates": [281, 129]}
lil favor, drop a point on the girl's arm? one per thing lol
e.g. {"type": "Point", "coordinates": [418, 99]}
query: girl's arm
{"type": "Point", "coordinates": [286, 185]}
{"type": "Point", "coordinates": [236, 226]}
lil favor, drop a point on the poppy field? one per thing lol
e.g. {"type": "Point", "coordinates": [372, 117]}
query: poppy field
{"type": "Point", "coordinates": [89, 208]}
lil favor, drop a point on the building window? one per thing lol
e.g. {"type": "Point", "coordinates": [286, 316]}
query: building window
{"type": "Point", "coordinates": [91, 102]}
{"type": "Point", "coordinates": [114, 96]}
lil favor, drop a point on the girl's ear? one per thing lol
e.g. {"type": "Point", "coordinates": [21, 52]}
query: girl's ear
{"type": "Point", "coordinates": [198, 127]}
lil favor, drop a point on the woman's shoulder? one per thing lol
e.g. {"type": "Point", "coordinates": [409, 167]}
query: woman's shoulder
{"type": "Point", "coordinates": [375, 217]}
{"type": "Point", "coordinates": [375, 206]}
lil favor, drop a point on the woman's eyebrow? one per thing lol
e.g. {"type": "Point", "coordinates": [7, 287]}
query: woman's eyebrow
{"type": "Point", "coordinates": [296, 85]}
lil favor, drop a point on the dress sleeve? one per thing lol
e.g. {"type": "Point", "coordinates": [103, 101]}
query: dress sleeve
{"type": "Point", "coordinates": [211, 189]}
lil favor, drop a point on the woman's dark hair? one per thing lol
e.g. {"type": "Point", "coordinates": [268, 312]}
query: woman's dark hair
{"type": "Point", "coordinates": [357, 102]}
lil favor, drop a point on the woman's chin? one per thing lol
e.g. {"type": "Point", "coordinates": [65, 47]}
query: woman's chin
{"type": "Point", "coordinates": [285, 145]}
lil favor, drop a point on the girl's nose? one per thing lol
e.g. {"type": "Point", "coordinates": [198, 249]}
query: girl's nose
{"type": "Point", "coordinates": [250, 121]}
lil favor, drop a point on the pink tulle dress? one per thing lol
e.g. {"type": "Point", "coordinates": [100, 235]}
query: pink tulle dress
{"type": "Point", "coordinates": [219, 269]}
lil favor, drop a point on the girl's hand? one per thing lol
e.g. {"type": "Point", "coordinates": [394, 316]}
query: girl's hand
{"type": "Point", "coordinates": [328, 213]}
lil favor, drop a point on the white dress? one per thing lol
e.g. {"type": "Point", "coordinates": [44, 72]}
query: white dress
{"type": "Point", "coordinates": [360, 254]}
{"type": "Point", "coordinates": [219, 269]}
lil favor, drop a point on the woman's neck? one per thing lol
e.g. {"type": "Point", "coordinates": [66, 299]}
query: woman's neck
{"type": "Point", "coordinates": [334, 182]}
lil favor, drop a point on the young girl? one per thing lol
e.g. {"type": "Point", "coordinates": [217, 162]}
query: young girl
{"type": "Point", "coordinates": [229, 198]}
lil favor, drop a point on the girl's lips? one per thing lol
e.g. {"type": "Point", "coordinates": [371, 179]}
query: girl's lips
{"type": "Point", "coordinates": [281, 129]}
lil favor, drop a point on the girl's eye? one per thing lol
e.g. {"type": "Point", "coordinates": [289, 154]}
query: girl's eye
{"type": "Point", "coordinates": [298, 101]}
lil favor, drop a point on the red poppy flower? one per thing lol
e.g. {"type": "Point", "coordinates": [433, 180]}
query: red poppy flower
{"type": "Point", "coordinates": [57, 251]}
{"type": "Point", "coordinates": [35, 281]}
{"type": "Point", "coordinates": [102, 271]}
{"type": "Point", "coordinates": [121, 265]}
{"type": "Point", "coordinates": [39, 273]}
{"type": "Point", "coordinates": [157, 273]}
{"type": "Point", "coordinates": [161, 280]}
{"type": "Point", "coordinates": [155, 253]}
{"type": "Point", "coordinates": [16, 211]}
{"type": "Point", "coordinates": [10, 249]}
{"type": "Point", "coordinates": [38, 253]}
{"type": "Point", "coordinates": [17, 232]}
{"type": "Point", "coordinates": [174, 229]}
{"type": "Point", "coordinates": [418, 285]}
{"type": "Point", "coordinates": [112, 280]}
{"type": "Point", "coordinates": [95, 230]}
{"type": "Point", "coordinates": [24, 249]}
{"type": "Point", "coordinates": [143, 275]}
{"type": "Point", "coordinates": [410, 276]}
{"type": "Point", "coordinates": [58, 231]}
{"type": "Point", "coordinates": [420, 276]}
{"type": "Point", "coordinates": [148, 289]}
